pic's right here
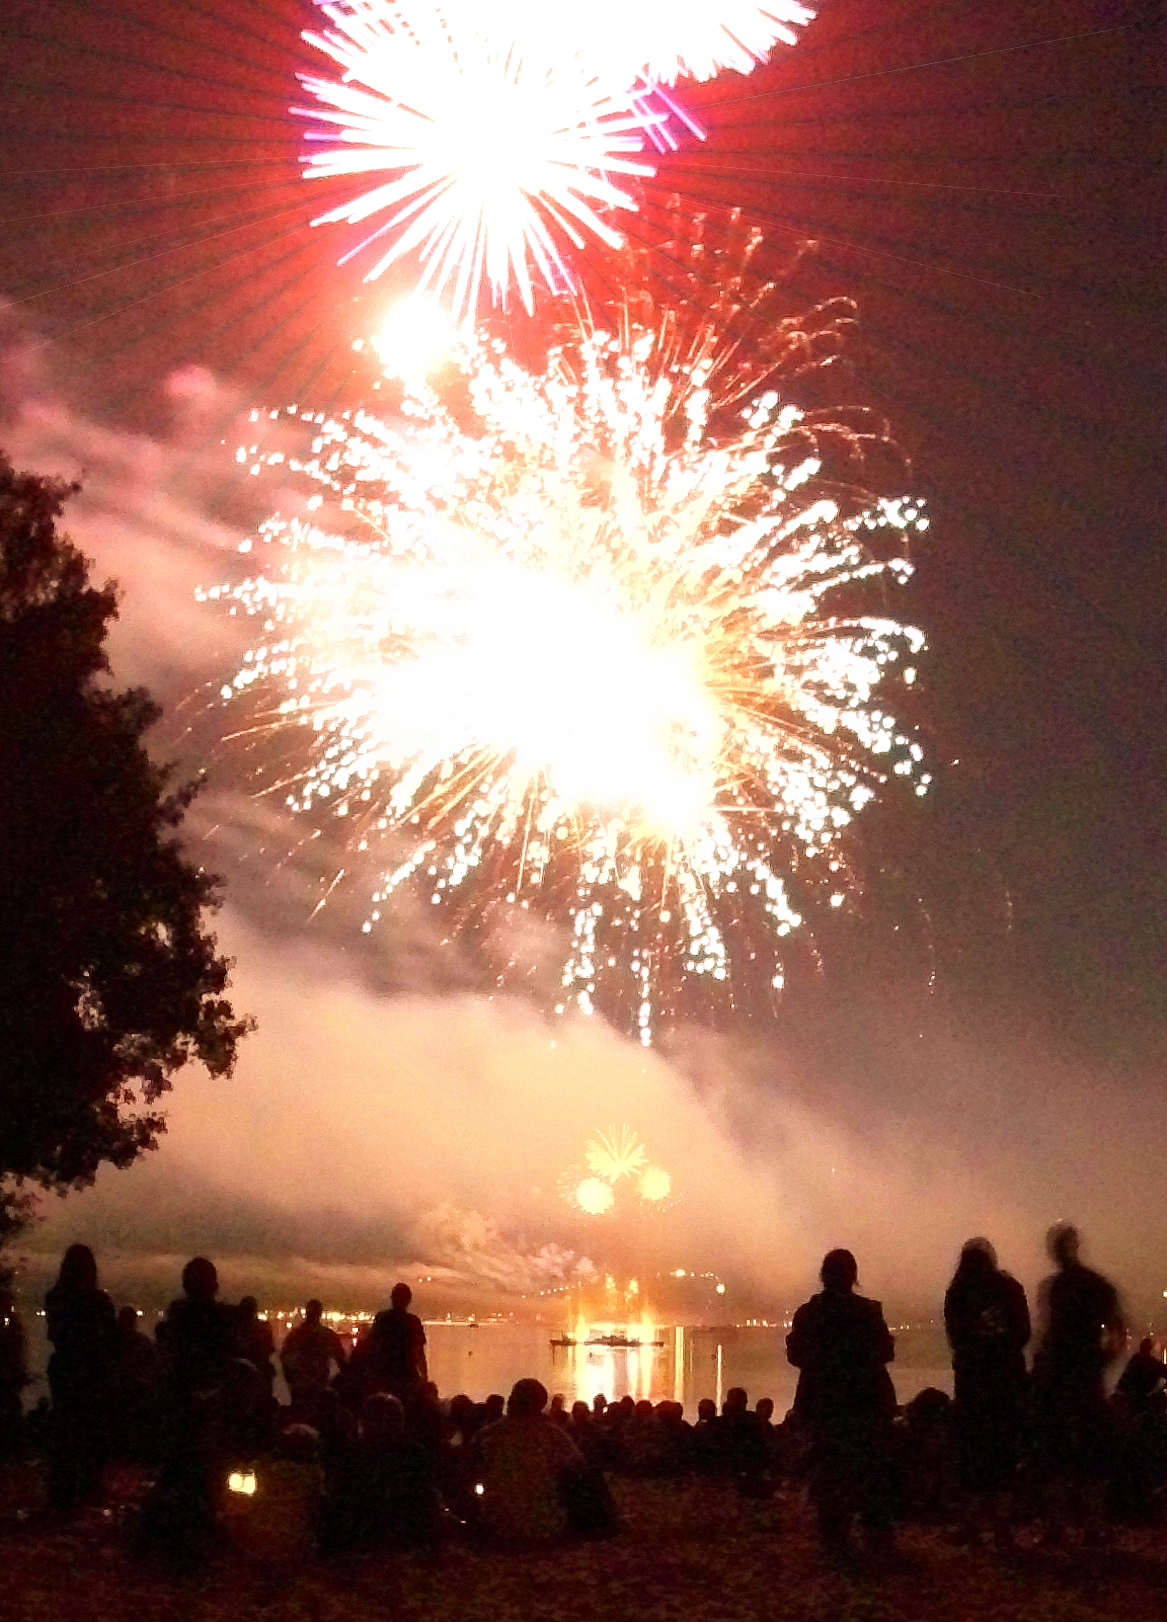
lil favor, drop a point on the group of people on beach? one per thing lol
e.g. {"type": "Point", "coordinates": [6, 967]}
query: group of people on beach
{"type": "Point", "coordinates": [366, 1452]}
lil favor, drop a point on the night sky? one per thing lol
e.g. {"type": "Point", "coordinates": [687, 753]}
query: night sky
{"type": "Point", "coordinates": [977, 1040]}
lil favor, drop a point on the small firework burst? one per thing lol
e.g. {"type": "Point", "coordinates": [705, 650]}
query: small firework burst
{"type": "Point", "coordinates": [593, 1196]}
{"type": "Point", "coordinates": [616, 1153]}
{"type": "Point", "coordinates": [654, 1184]}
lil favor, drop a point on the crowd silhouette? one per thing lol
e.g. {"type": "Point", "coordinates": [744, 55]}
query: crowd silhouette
{"type": "Point", "coordinates": [367, 1453]}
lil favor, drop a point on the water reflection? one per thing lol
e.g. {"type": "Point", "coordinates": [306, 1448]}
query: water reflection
{"type": "Point", "coordinates": [582, 1371]}
{"type": "Point", "coordinates": [688, 1365]}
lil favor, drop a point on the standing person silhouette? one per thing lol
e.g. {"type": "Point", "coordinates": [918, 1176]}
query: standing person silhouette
{"type": "Point", "coordinates": [1082, 1331]}
{"type": "Point", "coordinates": [841, 1345]}
{"type": "Point", "coordinates": [202, 1334]}
{"type": "Point", "coordinates": [395, 1351]}
{"type": "Point", "coordinates": [307, 1357]}
{"type": "Point", "coordinates": [200, 1342]}
{"type": "Point", "coordinates": [986, 1316]}
{"type": "Point", "coordinates": [82, 1327]}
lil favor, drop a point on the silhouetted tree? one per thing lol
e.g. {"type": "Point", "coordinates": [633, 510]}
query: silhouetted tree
{"type": "Point", "coordinates": [108, 981]}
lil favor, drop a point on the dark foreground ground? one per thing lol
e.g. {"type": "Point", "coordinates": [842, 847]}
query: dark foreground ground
{"type": "Point", "coordinates": [690, 1551]}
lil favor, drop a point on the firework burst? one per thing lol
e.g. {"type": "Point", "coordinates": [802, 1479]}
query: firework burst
{"type": "Point", "coordinates": [616, 1153]}
{"type": "Point", "coordinates": [655, 1184]}
{"type": "Point", "coordinates": [593, 1196]}
{"type": "Point", "coordinates": [615, 1160]}
{"type": "Point", "coordinates": [660, 41]}
{"type": "Point", "coordinates": [502, 151]}
{"type": "Point", "coordinates": [559, 646]}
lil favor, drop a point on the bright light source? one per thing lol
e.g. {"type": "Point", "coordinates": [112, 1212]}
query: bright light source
{"type": "Point", "coordinates": [655, 1183]}
{"type": "Point", "coordinates": [594, 1196]}
{"type": "Point", "coordinates": [721, 1289]}
{"type": "Point", "coordinates": [486, 157]}
{"type": "Point", "coordinates": [479, 1489]}
{"type": "Point", "coordinates": [242, 1481]}
{"type": "Point", "coordinates": [416, 336]}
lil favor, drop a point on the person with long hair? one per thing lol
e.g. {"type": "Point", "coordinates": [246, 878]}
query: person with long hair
{"type": "Point", "coordinates": [82, 1328]}
{"type": "Point", "coordinates": [986, 1316]}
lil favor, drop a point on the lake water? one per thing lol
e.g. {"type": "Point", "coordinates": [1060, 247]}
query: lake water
{"type": "Point", "coordinates": [688, 1365]}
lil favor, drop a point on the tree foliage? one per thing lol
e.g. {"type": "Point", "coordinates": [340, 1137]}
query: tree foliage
{"type": "Point", "coordinates": [109, 982]}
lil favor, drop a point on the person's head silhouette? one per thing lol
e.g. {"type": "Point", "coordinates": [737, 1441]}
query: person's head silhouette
{"type": "Point", "coordinates": [1063, 1242]}
{"type": "Point", "coordinates": [839, 1272]}
{"type": "Point", "coordinates": [528, 1399]}
{"type": "Point", "coordinates": [200, 1280]}
{"type": "Point", "coordinates": [78, 1269]}
{"type": "Point", "coordinates": [382, 1418]}
{"type": "Point", "coordinates": [401, 1297]}
{"type": "Point", "coordinates": [978, 1259]}
{"type": "Point", "coordinates": [314, 1311]}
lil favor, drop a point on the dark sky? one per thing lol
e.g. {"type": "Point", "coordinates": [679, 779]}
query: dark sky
{"type": "Point", "coordinates": [981, 178]}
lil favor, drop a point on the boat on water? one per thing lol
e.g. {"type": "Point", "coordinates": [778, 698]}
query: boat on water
{"type": "Point", "coordinates": [614, 1342]}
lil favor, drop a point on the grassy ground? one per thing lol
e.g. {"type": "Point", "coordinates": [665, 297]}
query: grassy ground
{"type": "Point", "coordinates": [692, 1552]}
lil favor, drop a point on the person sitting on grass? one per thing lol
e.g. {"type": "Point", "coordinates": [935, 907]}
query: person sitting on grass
{"type": "Point", "coordinates": [587, 1435]}
{"type": "Point", "coordinates": [1144, 1378]}
{"type": "Point", "coordinates": [273, 1525]}
{"type": "Point", "coordinates": [256, 1341]}
{"type": "Point", "coordinates": [384, 1492]}
{"type": "Point", "coordinates": [676, 1439]}
{"type": "Point", "coordinates": [135, 1388]}
{"type": "Point", "coordinates": [707, 1449]}
{"type": "Point", "coordinates": [744, 1449]}
{"type": "Point", "coordinates": [521, 1465]}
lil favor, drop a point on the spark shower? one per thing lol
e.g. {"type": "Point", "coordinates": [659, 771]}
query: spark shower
{"type": "Point", "coordinates": [575, 639]}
